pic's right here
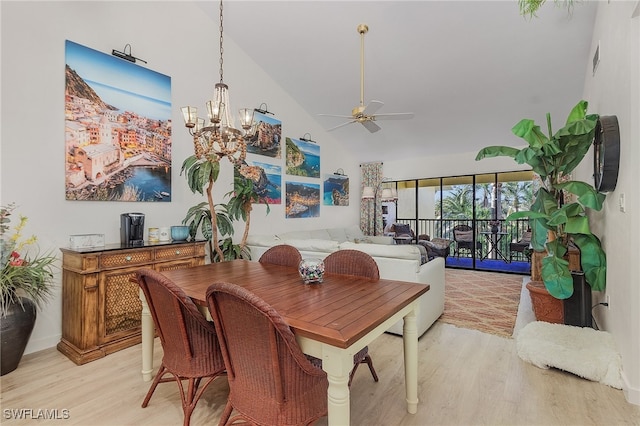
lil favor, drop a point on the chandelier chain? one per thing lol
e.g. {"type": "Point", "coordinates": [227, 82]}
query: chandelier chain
{"type": "Point", "coordinates": [221, 39]}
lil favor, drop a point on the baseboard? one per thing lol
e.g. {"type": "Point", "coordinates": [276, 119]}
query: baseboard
{"type": "Point", "coordinates": [36, 345]}
{"type": "Point", "coordinates": [631, 394]}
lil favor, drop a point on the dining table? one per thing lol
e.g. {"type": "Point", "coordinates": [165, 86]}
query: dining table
{"type": "Point", "coordinates": [331, 320]}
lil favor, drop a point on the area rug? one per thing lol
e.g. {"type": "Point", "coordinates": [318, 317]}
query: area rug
{"type": "Point", "coordinates": [585, 352]}
{"type": "Point", "coordinates": [484, 301]}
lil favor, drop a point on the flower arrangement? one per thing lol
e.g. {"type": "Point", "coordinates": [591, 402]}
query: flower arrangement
{"type": "Point", "coordinates": [22, 275]}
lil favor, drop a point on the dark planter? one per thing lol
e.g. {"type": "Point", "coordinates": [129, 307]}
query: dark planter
{"type": "Point", "coordinates": [577, 308]}
{"type": "Point", "coordinates": [15, 331]}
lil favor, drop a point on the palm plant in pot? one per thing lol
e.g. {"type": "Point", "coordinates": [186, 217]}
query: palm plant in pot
{"type": "Point", "coordinates": [26, 283]}
{"type": "Point", "coordinates": [558, 217]}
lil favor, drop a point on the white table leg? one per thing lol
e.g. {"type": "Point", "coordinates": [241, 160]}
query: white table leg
{"type": "Point", "coordinates": [338, 364]}
{"type": "Point", "coordinates": [147, 330]}
{"type": "Point", "coordinates": [410, 339]}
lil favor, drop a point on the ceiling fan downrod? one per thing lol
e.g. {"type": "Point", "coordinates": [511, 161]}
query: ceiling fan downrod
{"type": "Point", "coordinates": [362, 30]}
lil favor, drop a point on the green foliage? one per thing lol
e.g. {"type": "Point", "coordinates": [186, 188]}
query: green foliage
{"type": "Point", "coordinates": [530, 7]}
{"type": "Point", "coordinates": [201, 174]}
{"type": "Point", "coordinates": [23, 273]}
{"type": "Point", "coordinates": [553, 158]}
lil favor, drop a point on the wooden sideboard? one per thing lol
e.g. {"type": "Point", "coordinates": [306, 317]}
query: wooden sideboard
{"type": "Point", "coordinates": [101, 308]}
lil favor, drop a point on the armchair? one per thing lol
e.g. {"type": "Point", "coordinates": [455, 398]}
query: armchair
{"type": "Point", "coordinates": [521, 245]}
{"type": "Point", "coordinates": [463, 237]}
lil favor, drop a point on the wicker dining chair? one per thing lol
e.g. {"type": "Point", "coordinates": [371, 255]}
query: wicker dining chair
{"type": "Point", "coordinates": [189, 341]}
{"type": "Point", "coordinates": [282, 254]}
{"type": "Point", "coordinates": [271, 382]}
{"type": "Point", "coordinates": [359, 263]}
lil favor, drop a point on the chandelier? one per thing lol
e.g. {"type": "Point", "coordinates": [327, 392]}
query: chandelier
{"type": "Point", "coordinates": [218, 137]}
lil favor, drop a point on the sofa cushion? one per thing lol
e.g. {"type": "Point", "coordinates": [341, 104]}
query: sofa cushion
{"type": "Point", "coordinates": [405, 251]}
{"type": "Point", "coordinates": [320, 234]}
{"type": "Point", "coordinates": [263, 240]}
{"type": "Point", "coordinates": [354, 233]}
{"type": "Point", "coordinates": [338, 234]}
{"type": "Point", "coordinates": [325, 246]}
{"type": "Point", "coordinates": [295, 235]}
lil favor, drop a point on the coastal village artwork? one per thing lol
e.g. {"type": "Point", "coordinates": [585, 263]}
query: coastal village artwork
{"type": "Point", "coordinates": [267, 135]}
{"type": "Point", "coordinates": [303, 158]}
{"type": "Point", "coordinates": [302, 200]}
{"type": "Point", "coordinates": [117, 129]}
{"type": "Point", "coordinates": [267, 179]}
{"type": "Point", "coordinates": [336, 190]}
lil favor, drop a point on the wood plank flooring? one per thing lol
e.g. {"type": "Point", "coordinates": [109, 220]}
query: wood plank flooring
{"type": "Point", "coordinates": [466, 378]}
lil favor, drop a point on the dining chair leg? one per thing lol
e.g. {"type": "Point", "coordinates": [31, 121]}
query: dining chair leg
{"type": "Point", "coordinates": [367, 359]}
{"type": "Point", "coordinates": [369, 362]}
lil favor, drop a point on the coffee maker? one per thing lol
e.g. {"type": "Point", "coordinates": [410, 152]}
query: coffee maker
{"type": "Point", "coordinates": [132, 229]}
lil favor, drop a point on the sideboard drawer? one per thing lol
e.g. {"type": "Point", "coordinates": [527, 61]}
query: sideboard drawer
{"type": "Point", "coordinates": [177, 252]}
{"type": "Point", "coordinates": [127, 258]}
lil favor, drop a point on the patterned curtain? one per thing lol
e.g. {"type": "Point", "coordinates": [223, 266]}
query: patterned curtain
{"type": "Point", "coordinates": [371, 209]}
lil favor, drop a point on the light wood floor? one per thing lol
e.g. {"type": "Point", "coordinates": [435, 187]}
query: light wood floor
{"type": "Point", "coordinates": [466, 378]}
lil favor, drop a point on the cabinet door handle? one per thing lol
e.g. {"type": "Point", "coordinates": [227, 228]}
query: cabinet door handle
{"type": "Point", "coordinates": [128, 258]}
{"type": "Point", "coordinates": [177, 251]}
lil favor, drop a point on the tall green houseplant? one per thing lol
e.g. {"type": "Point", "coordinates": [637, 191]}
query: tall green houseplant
{"type": "Point", "coordinates": [558, 217]}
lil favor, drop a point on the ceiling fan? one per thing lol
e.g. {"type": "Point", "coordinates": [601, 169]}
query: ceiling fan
{"type": "Point", "coordinates": [362, 114]}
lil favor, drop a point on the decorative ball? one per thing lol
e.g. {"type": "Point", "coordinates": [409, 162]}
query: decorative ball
{"type": "Point", "coordinates": [311, 270]}
{"type": "Point", "coordinates": [179, 233]}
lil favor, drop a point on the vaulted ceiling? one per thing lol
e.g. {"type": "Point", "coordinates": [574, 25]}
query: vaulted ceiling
{"type": "Point", "coordinates": [468, 70]}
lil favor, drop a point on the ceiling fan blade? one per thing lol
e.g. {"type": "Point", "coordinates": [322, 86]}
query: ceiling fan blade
{"type": "Point", "coordinates": [334, 115]}
{"type": "Point", "coordinates": [394, 116]}
{"type": "Point", "coordinates": [340, 125]}
{"type": "Point", "coordinates": [371, 126]}
{"type": "Point", "coordinates": [372, 107]}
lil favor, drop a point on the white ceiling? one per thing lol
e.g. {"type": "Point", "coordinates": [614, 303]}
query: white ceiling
{"type": "Point", "coordinates": [468, 70]}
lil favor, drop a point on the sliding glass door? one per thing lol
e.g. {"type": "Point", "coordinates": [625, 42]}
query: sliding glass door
{"type": "Point", "coordinates": [478, 206]}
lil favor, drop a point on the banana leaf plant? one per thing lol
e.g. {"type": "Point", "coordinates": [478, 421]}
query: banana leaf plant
{"type": "Point", "coordinates": [558, 217]}
{"type": "Point", "coordinates": [201, 175]}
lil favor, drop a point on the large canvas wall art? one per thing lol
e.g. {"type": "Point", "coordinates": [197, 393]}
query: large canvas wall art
{"type": "Point", "coordinates": [266, 139]}
{"type": "Point", "coordinates": [336, 190]}
{"type": "Point", "coordinates": [117, 129]}
{"type": "Point", "coordinates": [267, 179]}
{"type": "Point", "coordinates": [303, 158]}
{"type": "Point", "coordinates": [302, 200]}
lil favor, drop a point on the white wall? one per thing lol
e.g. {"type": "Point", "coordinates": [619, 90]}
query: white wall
{"type": "Point", "coordinates": [615, 90]}
{"type": "Point", "coordinates": [177, 40]}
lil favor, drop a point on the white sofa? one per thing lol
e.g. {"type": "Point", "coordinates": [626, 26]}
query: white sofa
{"type": "Point", "coordinates": [397, 262]}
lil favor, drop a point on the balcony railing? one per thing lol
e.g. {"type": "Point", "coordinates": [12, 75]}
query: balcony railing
{"type": "Point", "coordinates": [443, 228]}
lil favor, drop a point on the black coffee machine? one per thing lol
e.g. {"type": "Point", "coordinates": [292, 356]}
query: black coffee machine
{"type": "Point", "coordinates": [132, 229]}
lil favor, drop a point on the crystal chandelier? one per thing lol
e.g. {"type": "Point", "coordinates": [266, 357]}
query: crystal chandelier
{"type": "Point", "coordinates": [219, 138]}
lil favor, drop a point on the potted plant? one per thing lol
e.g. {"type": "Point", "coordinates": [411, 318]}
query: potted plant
{"type": "Point", "coordinates": [201, 174]}
{"type": "Point", "coordinates": [558, 217]}
{"type": "Point", "coordinates": [26, 282]}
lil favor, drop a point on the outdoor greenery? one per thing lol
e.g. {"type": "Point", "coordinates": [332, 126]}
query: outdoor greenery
{"type": "Point", "coordinates": [558, 217]}
{"type": "Point", "coordinates": [457, 202]}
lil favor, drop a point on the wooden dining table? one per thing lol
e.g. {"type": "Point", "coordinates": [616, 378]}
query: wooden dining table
{"type": "Point", "coordinates": [331, 320]}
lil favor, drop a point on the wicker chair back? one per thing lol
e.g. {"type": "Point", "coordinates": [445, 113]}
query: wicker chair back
{"type": "Point", "coordinates": [282, 254]}
{"type": "Point", "coordinates": [189, 341]}
{"type": "Point", "coordinates": [270, 379]}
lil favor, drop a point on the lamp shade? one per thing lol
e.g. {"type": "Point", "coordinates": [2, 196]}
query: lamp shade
{"type": "Point", "coordinates": [368, 192]}
{"type": "Point", "coordinates": [387, 194]}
